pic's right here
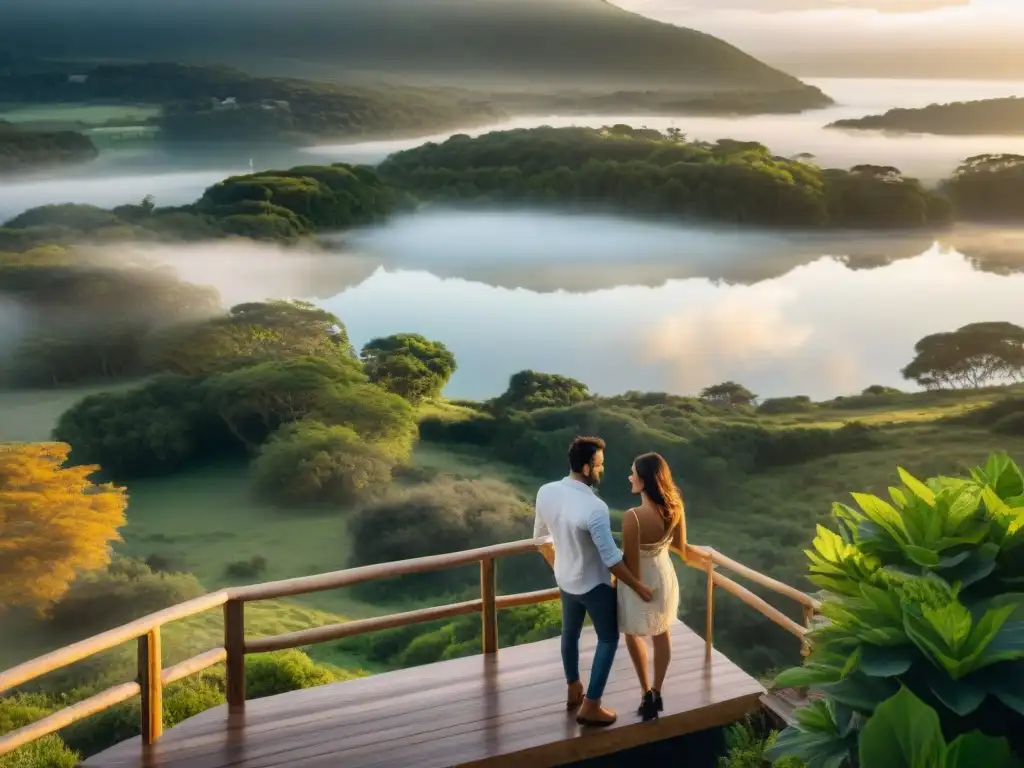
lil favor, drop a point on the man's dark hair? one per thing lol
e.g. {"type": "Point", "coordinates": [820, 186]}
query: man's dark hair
{"type": "Point", "coordinates": [582, 450]}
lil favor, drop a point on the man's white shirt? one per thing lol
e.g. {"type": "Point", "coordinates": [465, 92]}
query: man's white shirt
{"type": "Point", "coordinates": [580, 527]}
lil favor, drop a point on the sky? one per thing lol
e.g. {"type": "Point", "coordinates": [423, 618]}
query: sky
{"type": "Point", "coordinates": [794, 32]}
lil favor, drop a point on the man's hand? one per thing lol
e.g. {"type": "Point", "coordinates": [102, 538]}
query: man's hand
{"type": "Point", "coordinates": [547, 551]}
{"type": "Point", "coordinates": [646, 593]}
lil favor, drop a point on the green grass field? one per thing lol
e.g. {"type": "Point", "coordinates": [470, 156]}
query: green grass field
{"type": "Point", "coordinates": [72, 115]}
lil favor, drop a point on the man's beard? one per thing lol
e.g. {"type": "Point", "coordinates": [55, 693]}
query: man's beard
{"type": "Point", "coordinates": [592, 481]}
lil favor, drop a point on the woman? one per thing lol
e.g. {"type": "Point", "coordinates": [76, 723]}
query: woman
{"type": "Point", "coordinates": [648, 531]}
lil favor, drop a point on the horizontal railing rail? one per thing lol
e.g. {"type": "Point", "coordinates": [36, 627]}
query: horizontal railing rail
{"type": "Point", "coordinates": [152, 677]}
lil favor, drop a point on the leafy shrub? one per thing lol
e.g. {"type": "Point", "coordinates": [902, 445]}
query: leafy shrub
{"type": "Point", "coordinates": [779, 405]}
{"type": "Point", "coordinates": [154, 429]}
{"type": "Point", "coordinates": [879, 389]}
{"type": "Point", "coordinates": [439, 517]}
{"type": "Point", "coordinates": [529, 390]}
{"type": "Point", "coordinates": [247, 569]}
{"type": "Point", "coordinates": [268, 674]}
{"type": "Point", "coordinates": [310, 462]}
{"type": "Point", "coordinates": [922, 594]}
{"type": "Point", "coordinates": [478, 429]}
{"type": "Point", "coordinates": [20, 710]}
{"type": "Point", "coordinates": [125, 591]}
{"type": "Point", "coordinates": [746, 749]}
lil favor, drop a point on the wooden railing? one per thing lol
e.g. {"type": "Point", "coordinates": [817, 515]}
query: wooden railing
{"type": "Point", "coordinates": [152, 677]}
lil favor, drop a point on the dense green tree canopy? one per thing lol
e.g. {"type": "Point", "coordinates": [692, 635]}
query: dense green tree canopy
{"type": "Point", "coordinates": [641, 171]}
{"type": "Point", "coordinates": [985, 117]}
{"type": "Point", "coordinates": [154, 429]}
{"type": "Point", "coordinates": [255, 400]}
{"type": "Point", "coordinates": [988, 188]}
{"type": "Point", "coordinates": [409, 365]}
{"type": "Point", "coordinates": [973, 356]}
{"type": "Point", "coordinates": [728, 393]}
{"type": "Point", "coordinates": [529, 390]}
{"type": "Point", "coordinates": [252, 333]}
{"type": "Point", "coordinates": [310, 462]}
{"type": "Point", "coordinates": [320, 197]}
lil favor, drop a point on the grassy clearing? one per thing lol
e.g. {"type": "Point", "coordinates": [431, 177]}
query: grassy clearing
{"type": "Point", "coordinates": [77, 115]}
{"type": "Point", "coordinates": [206, 519]}
{"type": "Point", "coordinates": [913, 407]}
{"type": "Point", "coordinates": [29, 415]}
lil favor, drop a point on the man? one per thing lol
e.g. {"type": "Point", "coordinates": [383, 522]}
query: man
{"type": "Point", "coordinates": [584, 557]}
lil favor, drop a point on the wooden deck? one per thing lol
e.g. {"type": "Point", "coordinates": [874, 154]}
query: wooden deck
{"type": "Point", "coordinates": [502, 709]}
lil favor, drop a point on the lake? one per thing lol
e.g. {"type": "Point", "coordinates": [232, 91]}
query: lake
{"type": "Point", "coordinates": [622, 304]}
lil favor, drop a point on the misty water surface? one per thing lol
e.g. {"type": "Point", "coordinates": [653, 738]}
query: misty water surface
{"type": "Point", "coordinates": [626, 306]}
{"type": "Point", "coordinates": [174, 178]}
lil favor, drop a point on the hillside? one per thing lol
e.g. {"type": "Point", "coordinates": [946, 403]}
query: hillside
{"type": "Point", "coordinates": [1003, 117]}
{"type": "Point", "coordinates": [508, 42]}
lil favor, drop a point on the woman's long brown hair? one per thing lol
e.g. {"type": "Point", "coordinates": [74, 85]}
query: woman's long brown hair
{"type": "Point", "coordinates": [660, 488]}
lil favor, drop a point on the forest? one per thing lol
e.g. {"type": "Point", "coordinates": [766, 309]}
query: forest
{"type": "Point", "coordinates": [1003, 117]}
{"type": "Point", "coordinates": [205, 103]}
{"type": "Point", "coordinates": [23, 150]}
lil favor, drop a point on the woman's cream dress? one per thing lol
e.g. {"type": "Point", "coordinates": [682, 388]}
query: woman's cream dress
{"type": "Point", "coordinates": [654, 618]}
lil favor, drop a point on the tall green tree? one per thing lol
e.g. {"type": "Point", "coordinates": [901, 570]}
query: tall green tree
{"type": "Point", "coordinates": [973, 356]}
{"type": "Point", "coordinates": [410, 365]}
{"type": "Point", "coordinates": [251, 333]}
{"type": "Point", "coordinates": [529, 390]}
{"type": "Point", "coordinates": [728, 393]}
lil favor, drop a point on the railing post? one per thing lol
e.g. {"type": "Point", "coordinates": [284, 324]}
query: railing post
{"type": "Point", "coordinates": [151, 683]}
{"type": "Point", "coordinates": [488, 590]}
{"type": "Point", "coordinates": [709, 609]}
{"type": "Point", "coordinates": [234, 644]}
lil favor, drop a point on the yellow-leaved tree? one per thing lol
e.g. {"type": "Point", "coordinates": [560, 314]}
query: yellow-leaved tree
{"type": "Point", "coordinates": [54, 523]}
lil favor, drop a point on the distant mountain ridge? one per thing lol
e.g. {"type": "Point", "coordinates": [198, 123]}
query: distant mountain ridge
{"type": "Point", "coordinates": [543, 43]}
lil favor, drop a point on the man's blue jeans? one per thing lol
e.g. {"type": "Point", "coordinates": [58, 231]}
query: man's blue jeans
{"type": "Point", "coordinates": [600, 604]}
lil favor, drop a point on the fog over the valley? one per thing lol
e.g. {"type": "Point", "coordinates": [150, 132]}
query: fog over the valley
{"type": "Point", "coordinates": [623, 304]}
{"type": "Point", "coordinates": [173, 181]}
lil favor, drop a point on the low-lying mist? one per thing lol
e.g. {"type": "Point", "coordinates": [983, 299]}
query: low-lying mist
{"type": "Point", "coordinates": [168, 188]}
{"type": "Point", "coordinates": [245, 270]}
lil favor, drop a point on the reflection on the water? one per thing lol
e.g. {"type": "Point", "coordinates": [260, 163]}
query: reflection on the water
{"type": "Point", "coordinates": [673, 309]}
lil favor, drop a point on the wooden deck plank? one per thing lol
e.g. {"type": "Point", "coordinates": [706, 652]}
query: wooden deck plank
{"type": "Point", "coordinates": [478, 711]}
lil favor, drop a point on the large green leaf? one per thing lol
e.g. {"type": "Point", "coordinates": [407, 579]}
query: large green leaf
{"type": "Point", "coordinates": [904, 732]}
{"type": "Point", "coordinates": [916, 487]}
{"type": "Point", "coordinates": [877, 661]}
{"type": "Point", "coordinates": [963, 504]}
{"type": "Point", "coordinates": [1007, 643]}
{"type": "Point", "coordinates": [975, 566]}
{"type": "Point", "coordinates": [976, 750]}
{"type": "Point", "coordinates": [1002, 475]}
{"type": "Point", "coordinates": [806, 676]}
{"type": "Point", "coordinates": [1006, 683]}
{"type": "Point", "coordinates": [860, 692]}
{"type": "Point", "coordinates": [818, 750]}
{"type": "Point", "coordinates": [883, 515]}
{"type": "Point", "coordinates": [962, 696]}
{"type": "Point", "coordinates": [921, 556]}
